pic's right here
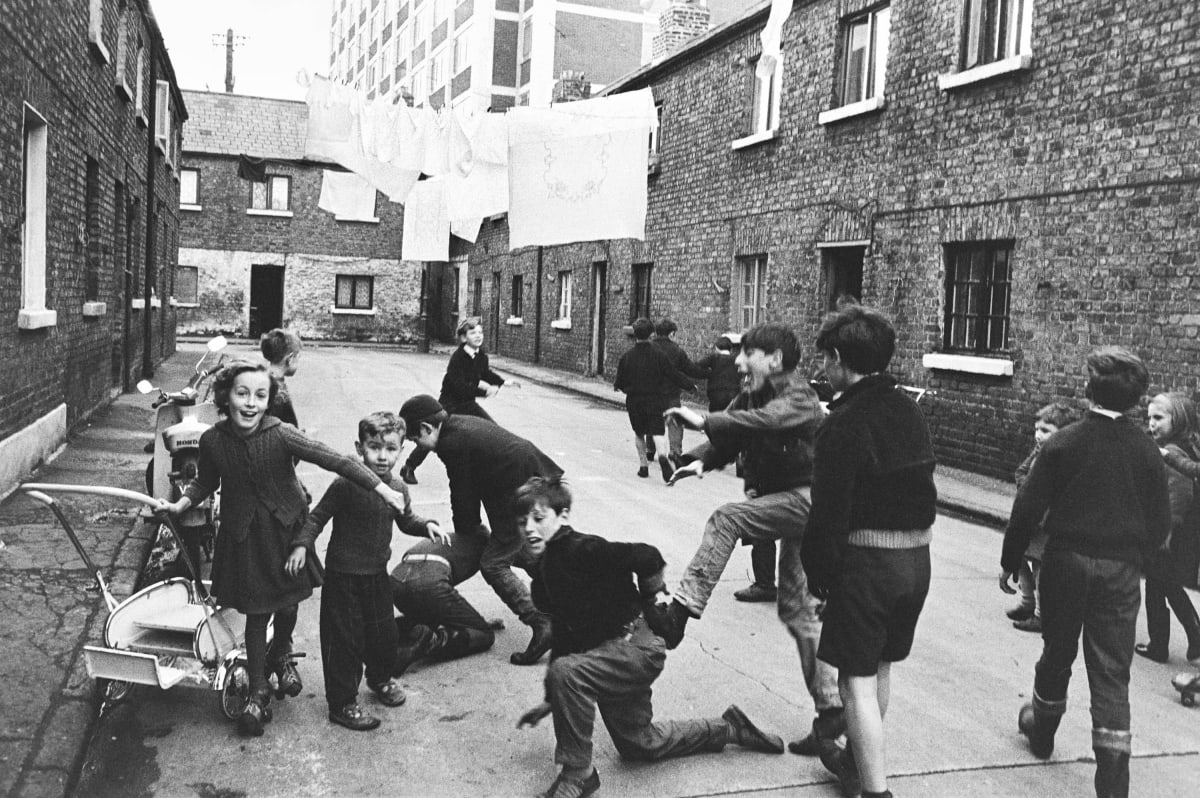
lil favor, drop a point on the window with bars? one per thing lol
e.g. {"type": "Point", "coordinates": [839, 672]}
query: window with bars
{"type": "Point", "coordinates": [993, 30]}
{"type": "Point", "coordinates": [864, 59]}
{"type": "Point", "coordinates": [752, 290]}
{"type": "Point", "coordinates": [354, 292]}
{"type": "Point", "coordinates": [978, 287]}
{"type": "Point", "coordinates": [273, 195]}
{"type": "Point", "coordinates": [639, 299]}
{"type": "Point", "coordinates": [564, 295]}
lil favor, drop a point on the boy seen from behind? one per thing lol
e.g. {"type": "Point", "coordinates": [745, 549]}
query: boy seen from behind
{"type": "Point", "coordinates": [281, 348]}
{"type": "Point", "coordinates": [357, 628]}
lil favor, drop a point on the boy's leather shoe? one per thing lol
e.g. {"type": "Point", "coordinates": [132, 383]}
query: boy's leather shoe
{"type": "Point", "coordinates": [1031, 624]}
{"type": "Point", "coordinates": [1021, 612]}
{"type": "Point", "coordinates": [756, 592]}
{"type": "Point", "coordinates": [408, 475]}
{"type": "Point", "coordinates": [644, 472]}
{"type": "Point", "coordinates": [417, 646]}
{"type": "Point", "coordinates": [538, 645]}
{"type": "Point", "coordinates": [1152, 652]}
{"type": "Point", "coordinates": [827, 726]}
{"type": "Point", "coordinates": [390, 693]}
{"type": "Point", "coordinates": [668, 470]}
{"type": "Point", "coordinates": [747, 735]}
{"type": "Point", "coordinates": [354, 717]}
{"type": "Point", "coordinates": [840, 762]}
{"type": "Point", "coordinates": [572, 788]}
{"type": "Point", "coordinates": [667, 621]}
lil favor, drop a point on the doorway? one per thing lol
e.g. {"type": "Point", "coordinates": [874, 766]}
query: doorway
{"type": "Point", "coordinates": [266, 299]}
{"type": "Point", "coordinates": [599, 312]}
{"type": "Point", "coordinates": [843, 273]}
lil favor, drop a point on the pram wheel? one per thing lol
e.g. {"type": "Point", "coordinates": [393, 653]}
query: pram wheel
{"type": "Point", "coordinates": [235, 693]}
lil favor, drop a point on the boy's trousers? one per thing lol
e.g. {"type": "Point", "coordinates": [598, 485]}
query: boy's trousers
{"type": "Point", "coordinates": [356, 630]}
{"type": "Point", "coordinates": [778, 516]}
{"type": "Point", "coordinates": [615, 677]}
{"type": "Point", "coordinates": [1101, 599]}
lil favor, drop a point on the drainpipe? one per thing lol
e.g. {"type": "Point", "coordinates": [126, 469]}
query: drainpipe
{"type": "Point", "coordinates": [537, 312]}
{"type": "Point", "coordinates": [148, 266]}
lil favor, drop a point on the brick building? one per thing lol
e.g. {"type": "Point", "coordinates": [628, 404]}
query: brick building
{"type": "Point", "coordinates": [88, 210]}
{"type": "Point", "coordinates": [258, 255]}
{"type": "Point", "coordinates": [1013, 181]}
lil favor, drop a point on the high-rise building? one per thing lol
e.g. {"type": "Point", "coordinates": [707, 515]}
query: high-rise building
{"type": "Point", "coordinates": [501, 53]}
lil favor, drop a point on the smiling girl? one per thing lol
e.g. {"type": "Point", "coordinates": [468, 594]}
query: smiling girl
{"type": "Point", "coordinates": [249, 456]}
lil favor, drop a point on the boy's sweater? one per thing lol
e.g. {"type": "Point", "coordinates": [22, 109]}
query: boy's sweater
{"type": "Point", "coordinates": [361, 541]}
{"type": "Point", "coordinates": [722, 374]}
{"type": "Point", "coordinates": [1101, 487]}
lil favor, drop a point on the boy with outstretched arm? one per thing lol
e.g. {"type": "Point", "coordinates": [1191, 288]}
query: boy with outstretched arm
{"type": "Point", "coordinates": [603, 653]}
{"type": "Point", "coordinates": [357, 629]}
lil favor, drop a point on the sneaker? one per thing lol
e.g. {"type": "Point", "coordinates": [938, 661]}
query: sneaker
{"type": "Point", "coordinates": [354, 717]}
{"type": "Point", "coordinates": [756, 592]}
{"type": "Point", "coordinates": [390, 693]}
{"type": "Point", "coordinates": [1021, 612]}
{"type": "Point", "coordinates": [1031, 624]}
{"type": "Point", "coordinates": [644, 472]}
{"type": "Point", "coordinates": [840, 762]}
{"type": "Point", "coordinates": [572, 788]}
{"type": "Point", "coordinates": [408, 475]}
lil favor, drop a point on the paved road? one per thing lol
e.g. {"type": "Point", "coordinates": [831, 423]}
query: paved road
{"type": "Point", "coordinates": [952, 721]}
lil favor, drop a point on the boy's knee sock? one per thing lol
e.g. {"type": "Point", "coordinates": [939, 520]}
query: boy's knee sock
{"type": "Point", "coordinates": [1112, 749]}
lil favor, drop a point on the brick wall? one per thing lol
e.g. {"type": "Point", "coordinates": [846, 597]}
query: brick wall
{"type": "Point", "coordinates": [96, 225]}
{"type": "Point", "coordinates": [1086, 161]}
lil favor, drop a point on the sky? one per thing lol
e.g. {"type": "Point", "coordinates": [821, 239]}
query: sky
{"type": "Point", "coordinates": [278, 39]}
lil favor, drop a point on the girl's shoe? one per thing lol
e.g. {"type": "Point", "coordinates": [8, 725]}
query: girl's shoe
{"type": "Point", "coordinates": [256, 715]}
{"type": "Point", "coordinates": [289, 684]}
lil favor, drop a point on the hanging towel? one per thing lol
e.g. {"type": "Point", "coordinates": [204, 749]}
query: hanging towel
{"type": "Point", "coordinates": [466, 229]}
{"type": "Point", "coordinates": [426, 224]}
{"type": "Point", "coordinates": [252, 169]}
{"type": "Point", "coordinates": [349, 197]}
{"type": "Point", "coordinates": [771, 36]}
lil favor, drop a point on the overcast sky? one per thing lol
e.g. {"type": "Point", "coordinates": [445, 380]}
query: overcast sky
{"type": "Point", "coordinates": [281, 37]}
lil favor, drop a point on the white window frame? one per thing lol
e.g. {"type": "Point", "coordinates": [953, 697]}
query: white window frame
{"type": "Point", "coordinates": [752, 289]}
{"type": "Point", "coordinates": [139, 83]}
{"type": "Point", "coordinates": [564, 296]}
{"type": "Point", "coordinates": [420, 84]}
{"type": "Point", "coordinates": [33, 313]}
{"type": "Point", "coordinates": [437, 69]}
{"type": "Point", "coordinates": [354, 307]}
{"type": "Point", "coordinates": [269, 197]}
{"type": "Point", "coordinates": [96, 31]}
{"type": "Point", "coordinates": [871, 73]}
{"type": "Point", "coordinates": [189, 176]}
{"type": "Point", "coordinates": [462, 49]}
{"type": "Point", "coordinates": [122, 67]}
{"type": "Point", "coordinates": [162, 119]}
{"type": "Point", "coordinates": [1016, 55]}
{"type": "Point", "coordinates": [764, 106]}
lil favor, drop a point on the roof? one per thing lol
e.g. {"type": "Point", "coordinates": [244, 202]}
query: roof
{"type": "Point", "coordinates": [235, 124]}
{"type": "Point", "coordinates": [715, 37]}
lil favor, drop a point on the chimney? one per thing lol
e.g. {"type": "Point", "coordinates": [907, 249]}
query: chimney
{"type": "Point", "coordinates": [678, 24]}
{"type": "Point", "coordinates": [571, 86]}
{"type": "Point", "coordinates": [229, 61]}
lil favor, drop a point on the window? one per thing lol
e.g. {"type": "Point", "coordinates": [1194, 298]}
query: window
{"type": "Point", "coordinates": [765, 111]}
{"type": "Point", "coordinates": [865, 57]}
{"type": "Point", "coordinates": [564, 295]}
{"type": "Point", "coordinates": [404, 42]}
{"type": "Point", "coordinates": [354, 292]}
{"type": "Point", "coordinates": [639, 299]}
{"type": "Point", "coordinates": [420, 85]}
{"type": "Point", "coordinates": [139, 81]}
{"type": "Point", "coordinates": [187, 285]}
{"type": "Point", "coordinates": [33, 313]}
{"type": "Point", "coordinates": [752, 290]}
{"type": "Point", "coordinates": [273, 195]}
{"type": "Point", "coordinates": [462, 50]}
{"type": "Point", "coordinates": [656, 133]}
{"type": "Point", "coordinates": [477, 297]}
{"type": "Point", "coordinates": [437, 70]}
{"type": "Point", "coordinates": [978, 285]}
{"type": "Point", "coordinates": [122, 70]}
{"type": "Point", "coordinates": [518, 299]}
{"type": "Point", "coordinates": [994, 30]}
{"type": "Point", "coordinates": [162, 118]}
{"type": "Point", "coordinates": [526, 39]}
{"type": "Point", "coordinates": [441, 10]}
{"type": "Point", "coordinates": [420, 26]}
{"type": "Point", "coordinates": [96, 30]}
{"type": "Point", "coordinates": [189, 187]}
{"type": "Point", "coordinates": [91, 204]}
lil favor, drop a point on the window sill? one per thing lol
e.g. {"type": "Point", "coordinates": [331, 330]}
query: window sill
{"type": "Point", "coordinates": [751, 140]}
{"type": "Point", "coordinates": [371, 220]}
{"type": "Point", "coordinates": [36, 319]}
{"type": "Point", "coordinates": [140, 304]}
{"type": "Point", "coordinates": [561, 324]}
{"type": "Point", "coordinates": [954, 80]}
{"type": "Point", "coordinates": [265, 212]}
{"type": "Point", "coordinates": [160, 145]}
{"type": "Point", "coordinates": [99, 51]}
{"type": "Point", "coordinates": [970, 364]}
{"type": "Point", "coordinates": [515, 321]}
{"type": "Point", "coordinates": [183, 206]}
{"type": "Point", "coordinates": [124, 91]}
{"type": "Point", "coordinates": [352, 311]}
{"type": "Point", "coordinates": [851, 110]}
{"type": "Point", "coordinates": [184, 304]}
{"type": "Point", "coordinates": [141, 119]}
{"type": "Point", "coordinates": [94, 309]}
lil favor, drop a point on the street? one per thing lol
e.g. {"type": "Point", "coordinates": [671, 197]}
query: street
{"type": "Point", "coordinates": [951, 726]}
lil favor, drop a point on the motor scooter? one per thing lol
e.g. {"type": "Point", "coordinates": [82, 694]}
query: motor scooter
{"type": "Point", "coordinates": [180, 419]}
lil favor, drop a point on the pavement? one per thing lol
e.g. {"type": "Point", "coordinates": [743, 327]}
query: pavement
{"type": "Point", "coordinates": [50, 610]}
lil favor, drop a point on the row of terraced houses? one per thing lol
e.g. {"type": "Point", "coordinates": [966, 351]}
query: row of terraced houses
{"type": "Point", "coordinates": [1013, 181]}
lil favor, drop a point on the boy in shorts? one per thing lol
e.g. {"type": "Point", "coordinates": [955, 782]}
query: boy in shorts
{"type": "Point", "coordinates": [646, 376]}
{"type": "Point", "coordinates": [867, 544]}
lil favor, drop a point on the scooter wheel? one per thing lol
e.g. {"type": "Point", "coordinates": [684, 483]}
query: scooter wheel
{"type": "Point", "coordinates": [113, 691]}
{"type": "Point", "coordinates": [235, 693]}
{"type": "Point", "coordinates": [1188, 699]}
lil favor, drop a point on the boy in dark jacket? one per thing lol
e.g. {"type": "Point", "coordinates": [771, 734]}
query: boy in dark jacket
{"type": "Point", "coordinates": [664, 332]}
{"type": "Point", "coordinates": [1099, 490]}
{"type": "Point", "coordinates": [604, 655]}
{"type": "Point", "coordinates": [356, 601]}
{"type": "Point", "coordinates": [646, 376]}
{"type": "Point", "coordinates": [772, 423]}
{"type": "Point", "coordinates": [867, 544]}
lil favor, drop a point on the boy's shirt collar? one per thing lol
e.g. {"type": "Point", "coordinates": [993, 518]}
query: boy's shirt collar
{"type": "Point", "coordinates": [1104, 411]}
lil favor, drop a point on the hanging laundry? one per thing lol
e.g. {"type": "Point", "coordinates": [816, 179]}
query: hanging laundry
{"type": "Point", "coordinates": [348, 196]}
{"type": "Point", "coordinates": [466, 229]}
{"type": "Point", "coordinates": [252, 169]}
{"type": "Point", "coordinates": [426, 224]}
{"type": "Point", "coordinates": [577, 172]}
{"type": "Point", "coordinates": [771, 38]}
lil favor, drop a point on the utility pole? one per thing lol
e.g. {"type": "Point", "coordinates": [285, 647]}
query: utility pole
{"type": "Point", "coordinates": [229, 42]}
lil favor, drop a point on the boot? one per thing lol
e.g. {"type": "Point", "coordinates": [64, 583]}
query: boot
{"type": "Point", "coordinates": [1112, 762]}
{"type": "Point", "coordinates": [667, 621]}
{"type": "Point", "coordinates": [1039, 721]}
{"type": "Point", "coordinates": [538, 645]}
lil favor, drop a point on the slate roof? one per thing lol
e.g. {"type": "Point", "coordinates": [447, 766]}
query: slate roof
{"type": "Point", "coordinates": [233, 124]}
